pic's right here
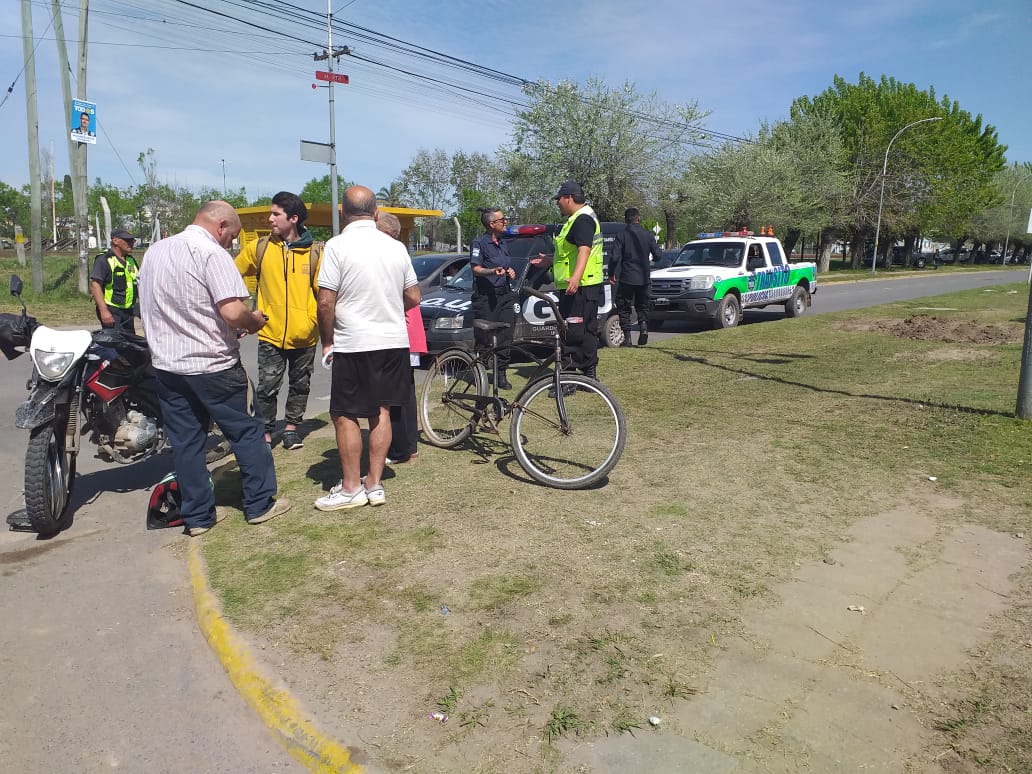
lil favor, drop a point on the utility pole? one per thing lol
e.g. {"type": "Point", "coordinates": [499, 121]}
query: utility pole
{"type": "Point", "coordinates": [32, 118]}
{"type": "Point", "coordinates": [329, 55]}
{"type": "Point", "coordinates": [82, 222]}
{"type": "Point", "coordinates": [53, 198]}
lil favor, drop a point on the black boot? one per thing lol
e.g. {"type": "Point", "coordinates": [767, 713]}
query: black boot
{"type": "Point", "coordinates": [626, 339]}
{"type": "Point", "coordinates": [503, 383]}
{"type": "Point", "coordinates": [590, 372]}
{"type": "Point", "coordinates": [643, 335]}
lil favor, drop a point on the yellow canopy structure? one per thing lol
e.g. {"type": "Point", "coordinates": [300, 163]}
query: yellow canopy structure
{"type": "Point", "coordinates": [255, 220]}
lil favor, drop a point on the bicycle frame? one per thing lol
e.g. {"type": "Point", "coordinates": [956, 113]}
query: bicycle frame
{"type": "Point", "coordinates": [479, 405]}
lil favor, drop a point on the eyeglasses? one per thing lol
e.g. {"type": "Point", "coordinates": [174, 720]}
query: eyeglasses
{"type": "Point", "coordinates": [499, 220]}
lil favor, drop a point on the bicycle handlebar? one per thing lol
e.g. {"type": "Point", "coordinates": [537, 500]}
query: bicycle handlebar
{"type": "Point", "coordinates": [553, 305]}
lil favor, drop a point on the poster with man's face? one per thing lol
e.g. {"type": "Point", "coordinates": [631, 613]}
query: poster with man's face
{"type": "Point", "coordinates": [84, 121]}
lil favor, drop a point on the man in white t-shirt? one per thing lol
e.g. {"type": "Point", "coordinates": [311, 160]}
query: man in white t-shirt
{"type": "Point", "coordinates": [366, 283]}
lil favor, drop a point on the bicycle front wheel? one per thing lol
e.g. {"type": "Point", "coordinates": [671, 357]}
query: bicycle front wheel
{"type": "Point", "coordinates": [578, 453]}
{"type": "Point", "coordinates": [445, 403]}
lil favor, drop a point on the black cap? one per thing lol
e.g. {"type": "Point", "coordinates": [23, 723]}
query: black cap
{"type": "Point", "coordinates": [569, 188]}
{"type": "Point", "coordinates": [121, 233]}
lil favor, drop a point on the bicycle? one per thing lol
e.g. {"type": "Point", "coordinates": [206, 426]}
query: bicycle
{"type": "Point", "coordinates": [567, 430]}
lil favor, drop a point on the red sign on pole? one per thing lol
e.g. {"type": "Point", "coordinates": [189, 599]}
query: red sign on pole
{"type": "Point", "coordinates": [324, 75]}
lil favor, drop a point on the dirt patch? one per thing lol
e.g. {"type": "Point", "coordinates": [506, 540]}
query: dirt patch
{"type": "Point", "coordinates": [924, 327]}
{"type": "Point", "coordinates": [845, 672]}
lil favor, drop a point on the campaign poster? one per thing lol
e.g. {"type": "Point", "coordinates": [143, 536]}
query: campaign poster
{"type": "Point", "coordinates": [84, 121]}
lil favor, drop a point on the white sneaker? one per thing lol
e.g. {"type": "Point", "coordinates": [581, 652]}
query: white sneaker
{"type": "Point", "coordinates": [339, 500]}
{"type": "Point", "coordinates": [376, 495]}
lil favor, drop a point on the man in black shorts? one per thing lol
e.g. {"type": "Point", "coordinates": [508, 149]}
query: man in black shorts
{"type": "Point", "coordinates": [366, 282]}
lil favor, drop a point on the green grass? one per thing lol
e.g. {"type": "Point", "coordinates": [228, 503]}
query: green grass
{"type": "Point", "coordinates": [581, 612]}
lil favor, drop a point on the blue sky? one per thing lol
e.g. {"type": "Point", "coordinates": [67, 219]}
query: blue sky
{"type": "Point", "coordinates": [199, 88]}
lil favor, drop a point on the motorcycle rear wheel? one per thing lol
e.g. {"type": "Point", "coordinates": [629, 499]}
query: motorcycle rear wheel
{"type": "Point", "coordinates": [49, 476]}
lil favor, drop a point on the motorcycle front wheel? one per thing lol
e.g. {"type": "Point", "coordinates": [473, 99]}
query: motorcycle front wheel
{"type": "Point", "coordinates": [49, 475]}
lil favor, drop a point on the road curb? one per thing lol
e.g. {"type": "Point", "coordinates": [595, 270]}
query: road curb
{"type": "Point", "coordinates": [276, 707]}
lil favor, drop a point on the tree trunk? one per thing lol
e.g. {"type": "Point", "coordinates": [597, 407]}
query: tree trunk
{"type": "Point", "coordinates": [671, 228]}
{"type": "Point", "coordinates": [908, 248]}
{"type": "Point", "coordinates": [825, 242]}
{"type": "Point", "coordinates": [856, 250]}
{"type": "Point", "coordinates": [790, 241]}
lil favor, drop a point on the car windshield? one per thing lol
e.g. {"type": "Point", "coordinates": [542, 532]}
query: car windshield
{"type": "Point", "coordinates": [725, 254]}
{"type": "Point", "coordinates": [464, 279]}
{"type": "Point", "coordinates": [425, 265]}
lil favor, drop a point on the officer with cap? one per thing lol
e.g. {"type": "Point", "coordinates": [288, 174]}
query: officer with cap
{"type": "Point", "coordinates": [577, 269]}
{"type": "Point", "coordinates": [113, 283]}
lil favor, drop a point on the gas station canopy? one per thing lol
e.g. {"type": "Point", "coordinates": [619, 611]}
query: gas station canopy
{"type": "Point", "coordinates": [255, 220]}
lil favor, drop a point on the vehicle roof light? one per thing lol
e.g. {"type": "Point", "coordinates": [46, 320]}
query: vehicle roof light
{"type": "Point", "coordinates": [524, 230]}
{"type": "Point", "coordinates": [711, 234]}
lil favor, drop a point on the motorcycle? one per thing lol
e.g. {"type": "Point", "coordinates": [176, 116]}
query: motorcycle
{"type": "Point", "coordinates": [100, 383]}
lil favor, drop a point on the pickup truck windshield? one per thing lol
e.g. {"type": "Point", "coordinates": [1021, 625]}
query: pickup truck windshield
{"type": "Point", "coordinates": [725, 254]}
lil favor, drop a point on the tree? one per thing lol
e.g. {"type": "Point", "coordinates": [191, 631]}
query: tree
{"type": "Point", "coordinates": [618, 144]}
{"type": "Point", "coordinates": [476, 180]}
{"type": "Point", "coordinates": [14, 210]}
{"type": "Point", "coordinates": [317, 190]}
{"type": "Point", "coordinates": [427, 181]}
{"type": "Point", "coordinates": [940, 174]}
{"type": "Point", "coordinates": [392, 195]}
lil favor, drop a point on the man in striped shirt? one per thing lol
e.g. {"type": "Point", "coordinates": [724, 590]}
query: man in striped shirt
{"type": "Point", "coordinates": [193, 302]}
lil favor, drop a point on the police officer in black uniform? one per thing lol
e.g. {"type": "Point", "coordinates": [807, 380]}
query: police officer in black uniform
{"type": "Point", "coordinates": [493, 298]}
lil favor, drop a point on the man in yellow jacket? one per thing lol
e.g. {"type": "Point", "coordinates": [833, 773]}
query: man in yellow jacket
{"type": "Point", "coordinates": [286, 270]}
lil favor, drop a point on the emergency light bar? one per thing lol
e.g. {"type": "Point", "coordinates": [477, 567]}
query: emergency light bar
{"type": "Point", "coordinates": [524, 230]}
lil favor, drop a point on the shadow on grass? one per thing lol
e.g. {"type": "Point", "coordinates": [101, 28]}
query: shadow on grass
{"type": "Point", "coordinates": [62, 279]}
{"type": "Point", "coordinates": [782, 359]}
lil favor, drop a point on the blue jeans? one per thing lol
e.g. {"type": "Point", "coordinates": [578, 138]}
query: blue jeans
{"type": "Point", "coordinates": [188, 403]}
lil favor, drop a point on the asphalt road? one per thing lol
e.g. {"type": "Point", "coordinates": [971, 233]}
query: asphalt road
{"type": "Point", "coordinates": [840, 296]}
{"type": "Point", "coordinates": [102, 667]}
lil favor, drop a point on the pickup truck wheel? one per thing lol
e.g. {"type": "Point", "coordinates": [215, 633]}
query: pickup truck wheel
{"type": "Point", "coordinates": [729, 313]}
{"type": "Point", "coordinates": [798, 303]}
{"type": "Point", "coordinates": [612, 334]}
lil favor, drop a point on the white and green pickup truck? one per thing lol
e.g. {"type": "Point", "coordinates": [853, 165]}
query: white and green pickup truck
{"type": "Point", "coordinates": [720, 274]}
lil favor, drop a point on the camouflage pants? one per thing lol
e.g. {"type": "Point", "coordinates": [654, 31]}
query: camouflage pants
{"type": "Point", "coordinates": [272, 362]}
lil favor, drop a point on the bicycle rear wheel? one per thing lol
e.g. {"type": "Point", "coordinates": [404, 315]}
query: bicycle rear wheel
{"type": "Point", "coordinates": [579, 455]}
{"type": "Point", "coordinates": [445, 418]}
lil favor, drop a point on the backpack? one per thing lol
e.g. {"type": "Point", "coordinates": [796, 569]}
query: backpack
{"type": "Point", "coordinates": [166, 502]}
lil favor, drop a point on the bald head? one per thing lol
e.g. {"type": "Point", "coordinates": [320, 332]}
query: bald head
{"type": "Point", "coordinates": [388, 223]}
{"type": "Point", "coordinates": [220, 220]}
{"type": "Point", "coordinates": [359, 202]}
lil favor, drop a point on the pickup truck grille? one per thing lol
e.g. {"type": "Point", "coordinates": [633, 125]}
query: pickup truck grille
{"type": "Point", "coordinates": [669, 287]}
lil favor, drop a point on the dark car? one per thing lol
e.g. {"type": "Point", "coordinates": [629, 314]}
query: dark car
{"type": "Point", "coordinates": [448, 312]}
{"type": "Point", "coordinates": [435, 269]}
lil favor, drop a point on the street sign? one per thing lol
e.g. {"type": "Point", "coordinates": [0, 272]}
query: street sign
{"type": "Point", "coordinates": [321, 152]}
{"type": "Point", "coordinates": [325, 75]}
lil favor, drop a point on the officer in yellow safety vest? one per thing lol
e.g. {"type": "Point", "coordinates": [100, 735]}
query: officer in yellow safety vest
{"type": "Point", "coordinates": [577, 268]}
{"type": "Point", "coordinates": [113, 283]}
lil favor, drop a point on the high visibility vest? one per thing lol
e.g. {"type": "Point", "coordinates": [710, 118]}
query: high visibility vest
{"type": "Point", "coordinates": [123, 276]}
{"type": "Point", "coordinates": [566, 254]}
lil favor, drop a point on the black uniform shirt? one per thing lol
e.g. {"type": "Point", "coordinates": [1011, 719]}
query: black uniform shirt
{"type": "Point", "coordinates": [629, 263]}
{"type": "Point", "coordinates": [484, 251]}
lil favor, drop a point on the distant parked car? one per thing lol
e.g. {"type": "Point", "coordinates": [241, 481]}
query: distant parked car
{"type": "Point", "coordinates": [435, 269]}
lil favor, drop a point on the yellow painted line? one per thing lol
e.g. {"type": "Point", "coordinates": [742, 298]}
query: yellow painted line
{"type": "Point", "coordinates": [276, 707]}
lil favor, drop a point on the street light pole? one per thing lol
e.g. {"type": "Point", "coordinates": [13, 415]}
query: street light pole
{"type": "Point", "coordinates": [881, 196]}
{"type": "Point", "coordinates": [1010, 215]}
